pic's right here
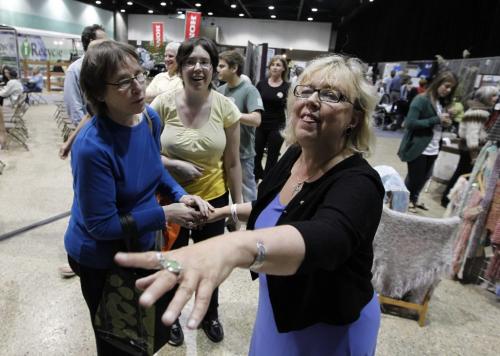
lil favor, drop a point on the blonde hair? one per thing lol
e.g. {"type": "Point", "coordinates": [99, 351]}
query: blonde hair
{"type": "Point", "coordinates": [347, 75]}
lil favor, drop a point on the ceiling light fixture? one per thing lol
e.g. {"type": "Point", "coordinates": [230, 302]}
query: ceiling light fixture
{"type": "Point", "coordinates": [271, 7]}
{"type": "Point", "coordinates": [210, 13]}
{"type": "Point", "coordinates": [129, 3]}
{"type": "Point", "coordinates": [314, 9]}
{"type": "Point", "coordinates": [233, 6]}
{"type": "Point", "coordinates": [98, 2]}
{"type": "Point", "coordinates": [150, 11]}
{"type": "Point", "coordinates": [273, 16]}
{"type": "Point", "coordinates": [122, 10]}
{"type": "Point", "coordinates": [197, 4]}
{"type": "Point", "coordinates": [310, 19]}
{"type": "Point", "coordinates": [241, 14]}
{"type": "Point", "coordinates": [163, 4]}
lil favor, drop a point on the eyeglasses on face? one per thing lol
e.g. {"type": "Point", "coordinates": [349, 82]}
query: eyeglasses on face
{"type": "Point", "coordinates": [324, 94]}
{"type": "Point", "coordinates": [204, 62]}
{"type": "Point", "coordinates": [126, 83]}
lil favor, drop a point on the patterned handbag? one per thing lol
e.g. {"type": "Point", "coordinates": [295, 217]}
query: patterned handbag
{"type": "Point", "coordinates": [120, 320]}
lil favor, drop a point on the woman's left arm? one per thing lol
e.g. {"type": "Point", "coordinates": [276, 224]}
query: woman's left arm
{"type": "Point", "coordinates": [231, 160]}
{"type": "Point", "coordinates": [325, 241]}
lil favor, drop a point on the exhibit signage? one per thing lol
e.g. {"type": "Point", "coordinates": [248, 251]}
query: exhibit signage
{"type": "Point", "coordinates": [193, 24]}
{"type": "Point", "coordinates": [157, 34]}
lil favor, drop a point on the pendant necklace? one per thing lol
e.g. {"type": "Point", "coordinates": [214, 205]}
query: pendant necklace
{"type": "Point", "coordinates": [298, 187]}
{"type": "Point", "coordinates": [300, 184]}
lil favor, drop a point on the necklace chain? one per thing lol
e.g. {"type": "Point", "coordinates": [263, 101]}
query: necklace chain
{"type": "Point", "coordinates": [300, 183]}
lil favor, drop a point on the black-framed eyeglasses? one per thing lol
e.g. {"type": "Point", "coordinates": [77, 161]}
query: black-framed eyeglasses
{"type": "Point", "coordinates": [324, 94]}
{"type": "Point", "coordinates": [126, 83]}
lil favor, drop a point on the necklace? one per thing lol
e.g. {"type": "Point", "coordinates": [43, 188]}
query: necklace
{"type": "Point", "coordinates": [300, 184]}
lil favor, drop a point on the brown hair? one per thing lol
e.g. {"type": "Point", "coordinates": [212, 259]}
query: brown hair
{"type": "Point", "coordinates": [100, 61]}
{"type": "Point", "coordinates": [279, 58]}
{"type": "Point", "coordinates": [187, 47]}
{"type": "Point", "coordinates": [233, 59]}
{"type": "Point", "coordinates": [446, 76]}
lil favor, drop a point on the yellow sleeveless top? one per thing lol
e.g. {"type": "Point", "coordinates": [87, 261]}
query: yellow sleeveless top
{"type": "Point", "coordinates": [202, 146]}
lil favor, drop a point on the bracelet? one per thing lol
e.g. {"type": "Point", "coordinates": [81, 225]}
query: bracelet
{"type": "Point", "coordinates": [234, 213]}
{"type": "Point", "coordinates": [260, 257]}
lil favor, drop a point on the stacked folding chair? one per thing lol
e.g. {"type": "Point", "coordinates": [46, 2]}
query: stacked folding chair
{"type": "Point", "coordinates": [63, 121]}
{"type": "Point", "coordinates": [14, 121]}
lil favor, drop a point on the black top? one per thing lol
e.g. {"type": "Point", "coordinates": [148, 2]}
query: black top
{"type": "Point", "coordinates": [337, 215]}
{"type": "Point", "coordinates": [274, 99]}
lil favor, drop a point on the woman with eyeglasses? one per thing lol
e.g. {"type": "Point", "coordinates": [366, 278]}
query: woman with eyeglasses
{"type": "Point", "coordinates": [117, 170]}
{"type": "Point", "coordinates": [200, 147]}
{"type": "Point", "coordinates": [274, 91]}
{"type": "Point", "coordinates": [310, 231]}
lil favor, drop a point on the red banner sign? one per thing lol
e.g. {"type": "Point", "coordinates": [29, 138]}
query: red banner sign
{"type": "Point", "coordinates": [157, 33]}
{"type": "Point", "coordinates": [193, 24]}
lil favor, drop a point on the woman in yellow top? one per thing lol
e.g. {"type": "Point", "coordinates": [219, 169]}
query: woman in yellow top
{"type": "Point", "coordinates": [200, 148]}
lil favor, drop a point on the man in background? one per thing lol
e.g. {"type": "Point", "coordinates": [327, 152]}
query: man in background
{"type": "Point", "coordinates": [74, 99]}
{"type": "Point", "coordinates": [76, 104]}
{"type": "Point", "coordinates": [73, 96]}
{"type": "Point", "coordinates": [248, 100]}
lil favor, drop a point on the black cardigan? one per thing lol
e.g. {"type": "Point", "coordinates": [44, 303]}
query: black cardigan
{"type": "Point", "coordinates": [337, 215]}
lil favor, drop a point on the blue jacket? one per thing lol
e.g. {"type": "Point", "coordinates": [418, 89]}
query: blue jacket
{"type": "Point", "coordinates": [116, 170]}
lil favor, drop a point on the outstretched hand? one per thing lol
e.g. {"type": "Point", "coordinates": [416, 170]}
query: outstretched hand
{"type": "Point", "coordinates": [205, 266]}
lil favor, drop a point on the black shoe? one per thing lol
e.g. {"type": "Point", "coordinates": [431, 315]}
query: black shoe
{"type": "Point", "coordinates": [213, 329]}
{"type": "Point", "coordinates": [176, 334]}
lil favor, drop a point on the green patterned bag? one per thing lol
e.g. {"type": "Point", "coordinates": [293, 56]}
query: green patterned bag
{"type": "Point", "coordinates": [120, 320]}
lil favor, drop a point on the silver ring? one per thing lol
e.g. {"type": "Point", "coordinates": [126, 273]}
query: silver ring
{"type": "Point", "coordinates": [170, 265]}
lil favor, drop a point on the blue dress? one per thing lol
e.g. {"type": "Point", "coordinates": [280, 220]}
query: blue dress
{"type": "Point", "coordinates": [357, 339]}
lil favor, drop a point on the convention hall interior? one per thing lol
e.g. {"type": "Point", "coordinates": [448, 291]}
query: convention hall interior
{"type": "Point", "coordinates": [435, 265]}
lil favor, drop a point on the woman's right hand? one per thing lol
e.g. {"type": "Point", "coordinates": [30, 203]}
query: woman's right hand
{"type": "Point", "coordinates": [186, 171]}
{"type": "Point", "coordinates": [183, 215]}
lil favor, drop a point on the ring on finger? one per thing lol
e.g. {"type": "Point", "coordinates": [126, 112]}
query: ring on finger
{"type": "Point", "coordinates": [170, 265]}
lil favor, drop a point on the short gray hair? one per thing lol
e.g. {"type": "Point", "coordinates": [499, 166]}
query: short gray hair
{"type": "Point", "coordinates": [484, 94]}
{"type": "Point", "coordinates": [173, 46]}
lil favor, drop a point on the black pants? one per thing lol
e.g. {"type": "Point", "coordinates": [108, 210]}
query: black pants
{"type": "Point", "coordinates": [271, 139]}
{"type": "Point", "coordinates": [92, 285]}
{"type": "Point", "coordinates": [419, 171]}
{"type": "Point", "coordinates": [464, 166]}
{"type": "Point", "coordinates": [206, 232]}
